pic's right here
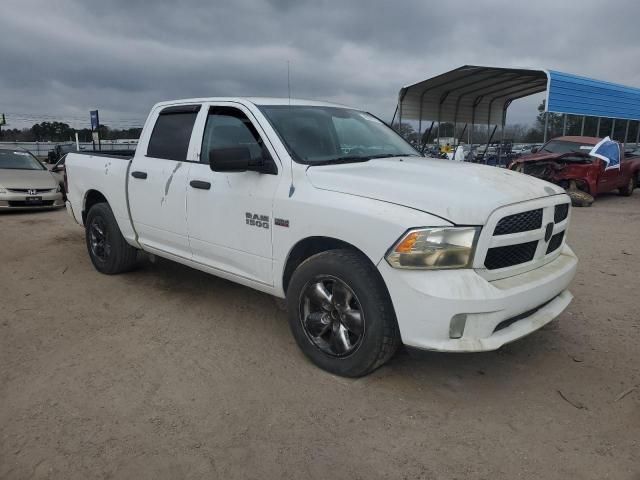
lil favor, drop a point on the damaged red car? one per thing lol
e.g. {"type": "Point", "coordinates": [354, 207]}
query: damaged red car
{"type": "Point", "coordinates": [566, 162]}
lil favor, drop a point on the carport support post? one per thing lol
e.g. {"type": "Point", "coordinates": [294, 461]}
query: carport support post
{"type": "Point", "coordinates": [638, 134]}
{"type": "Point", "coordinates": [427, 134]}
{"type": "Point", "coordinates": [504, 121]}
{"type": "Point", "coordinates": [473, 123]}
{"type": "Point", "coordinates": [489, 137]}
{"type": "Point", "coordinates": [564, 124]}
{"type": "Point", "coordinates": [598, 128]}
{"type": "Point", "coordinates": [582, 127]}
{"type": "Point", "coordinates": [420, 124]}
{"type": "Point", "coordinates": [442, 99]}
{"type": "Point", "coordinates": [401, 96]}
{"type": "Point", "coordinates": [462, 133]}
{"type": "Point", "coordinates": [613, 128]}
{"type": "Point", "coordinates": [626, 132]}
{"type": "Point", "coordinates": [476, 102]}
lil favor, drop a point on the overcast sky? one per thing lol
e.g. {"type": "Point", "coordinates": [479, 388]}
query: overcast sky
{"type": "Point", "coordinates": [61, 58]}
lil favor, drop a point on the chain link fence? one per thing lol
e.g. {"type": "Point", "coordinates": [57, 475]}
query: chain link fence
{"type": "Point", "coordinates": [42, 149]}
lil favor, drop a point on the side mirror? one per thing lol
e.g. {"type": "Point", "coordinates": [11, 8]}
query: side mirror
{"type": "Point", "coordinates": [238, 159]}
{"type": "Point", "coordinates": [534, 150]}
{"type": "Point", "coordinates": [231, 159]}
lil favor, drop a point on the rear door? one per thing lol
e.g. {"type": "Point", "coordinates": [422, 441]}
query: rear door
{"type": "Point", "coordinates": [157, 182]}
{"type": "Point", "coordinates": [229, 214]}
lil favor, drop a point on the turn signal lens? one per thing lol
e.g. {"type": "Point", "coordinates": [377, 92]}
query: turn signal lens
{"type": "Point", "coordinates": [435, 248]}
{"type": "Point", "coordinates": [407, 243]}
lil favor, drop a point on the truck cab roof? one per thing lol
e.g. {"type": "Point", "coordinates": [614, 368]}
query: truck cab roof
{"type": "Point", "coordinates": [253, 100]}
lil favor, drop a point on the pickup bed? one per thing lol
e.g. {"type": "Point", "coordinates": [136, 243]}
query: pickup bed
{"type": "Point", "coordinates": [371, 244]}
{"type": "Point", "coordinates": [565, 161]}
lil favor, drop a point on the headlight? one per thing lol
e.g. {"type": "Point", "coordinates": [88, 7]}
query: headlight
{"type": "Point", "coordinates": [3, 190]}
{"type": "Point", "coordinates": [59, 189]}
{"type": "Point", "coordinates": [435, 248]}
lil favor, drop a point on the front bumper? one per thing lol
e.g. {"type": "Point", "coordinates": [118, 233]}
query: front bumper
{"type": "Point", "coordinates": [429, 305]}
{"type": "Point", "coordinates": [18, 201]}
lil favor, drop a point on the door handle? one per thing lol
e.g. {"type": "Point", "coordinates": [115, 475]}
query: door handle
{"type": "Point", "coordinates": [200, 184]}
{"type": "Point", "coordinates": [140, 175]}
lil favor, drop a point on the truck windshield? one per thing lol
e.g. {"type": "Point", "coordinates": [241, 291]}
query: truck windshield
{"type": "Point", "coordinates": [324, 135]}
{"type": "Point", "coordinates": [16, 160]}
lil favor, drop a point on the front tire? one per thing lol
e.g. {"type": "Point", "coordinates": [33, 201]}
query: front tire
{"type": "Point", "coordinates": [580, 198]}
{"type": "Point", "coordinates": [627, 190]}
{"type": "Point", "coordinates": [340, 313]}
{"type": "Point", "coordinates": [109, 251]}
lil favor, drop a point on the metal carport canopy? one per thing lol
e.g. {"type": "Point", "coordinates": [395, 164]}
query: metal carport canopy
{"type": "Point", "coordinates": [476, 94]}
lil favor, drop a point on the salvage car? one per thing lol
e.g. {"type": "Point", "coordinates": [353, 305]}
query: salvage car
{"type": "Point", "coordinates": [25, 183]}
{"type": "Point", "coordinates": [371, 244]}
{"type": "Point", "coordinates": [566, 161]}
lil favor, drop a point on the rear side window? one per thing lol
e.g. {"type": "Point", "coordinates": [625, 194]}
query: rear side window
{"type": "Point", "coordinates": [172, 132]}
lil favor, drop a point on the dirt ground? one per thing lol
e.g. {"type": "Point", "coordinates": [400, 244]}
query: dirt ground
{"type": "Point", "coordinates": [167, 372]}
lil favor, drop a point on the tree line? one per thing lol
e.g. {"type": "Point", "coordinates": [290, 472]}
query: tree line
{"type": "Point", "coordinates": [62, 132]}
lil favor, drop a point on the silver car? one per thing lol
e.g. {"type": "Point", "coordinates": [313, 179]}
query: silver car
{"type": "Point", "coordinates": [26, 183]}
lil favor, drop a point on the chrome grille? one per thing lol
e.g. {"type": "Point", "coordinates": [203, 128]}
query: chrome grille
{"type": "Point", "coordinates": [27, 190]}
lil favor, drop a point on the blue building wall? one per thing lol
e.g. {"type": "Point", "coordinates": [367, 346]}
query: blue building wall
{"type": "Point", "coordinates": [585, 96]}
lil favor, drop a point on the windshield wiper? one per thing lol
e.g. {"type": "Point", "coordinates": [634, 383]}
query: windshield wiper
{"type": "Point", "coordinates": [360, 158]}
{"type": "Point", "coordinates": [390, 155]}
{"type": "Point", "coordinates": [339, 160]}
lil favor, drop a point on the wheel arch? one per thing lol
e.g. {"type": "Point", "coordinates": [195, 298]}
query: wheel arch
{"type": "Point", "coordinates": [91, 197]}
{"type": "Point", "coordinates": [309, 246]}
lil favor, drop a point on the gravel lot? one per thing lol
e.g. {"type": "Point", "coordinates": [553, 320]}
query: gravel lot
{"type": "Point", "coordinates": [167, 372]}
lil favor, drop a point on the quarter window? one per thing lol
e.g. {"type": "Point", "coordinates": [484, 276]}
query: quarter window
{"type": "Point", "coordinates": [172, 132]}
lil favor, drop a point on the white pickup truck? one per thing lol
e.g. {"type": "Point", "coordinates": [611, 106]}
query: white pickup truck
{"type": "Point", "coordinates": [371, 244]}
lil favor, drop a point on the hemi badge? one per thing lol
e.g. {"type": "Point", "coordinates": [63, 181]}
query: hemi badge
{"type": "Point", "coordinates": [281, 222]}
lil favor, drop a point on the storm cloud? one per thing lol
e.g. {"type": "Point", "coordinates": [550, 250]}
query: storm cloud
{"type": "Point", "coordinates": [61, 58]}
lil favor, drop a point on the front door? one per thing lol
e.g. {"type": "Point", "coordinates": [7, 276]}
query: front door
{"type": "Point", "coordinates": [608, 179]}
{"type": "Point", "coordinates": [157, 182]}
{"type": "Point", "coordinates": [229, 214]}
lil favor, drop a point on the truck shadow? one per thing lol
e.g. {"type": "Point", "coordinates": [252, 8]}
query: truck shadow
{"type": "Point", "coordinates": [258, 315]}
{"type": "Point", "coordinates": [610, 198]}
{"type": "Point", "coordinates": [38, 213]}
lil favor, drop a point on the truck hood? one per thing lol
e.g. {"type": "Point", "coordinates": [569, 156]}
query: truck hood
{"type": "Point", "coordinates": [10, 178]}
{"type": "Point", "coordinates": [545, 156]}
{"type": "Point", "coordinates": [533, 157]}
{"type": "Point", "coordinates": [462, 193]}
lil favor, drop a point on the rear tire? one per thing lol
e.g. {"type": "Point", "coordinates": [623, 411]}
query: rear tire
{"type": "Point", "coordinates": [340, 313]}
{"type": "Point", "coordinates": [109, 251]}
{"type": "Point", "coordinates": [627, 190]}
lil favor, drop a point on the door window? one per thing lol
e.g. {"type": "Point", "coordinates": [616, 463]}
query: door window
{"type": "Point", "coordinates": [228, 127]}
{"type": "Point", "coordinates": [172, 132]}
